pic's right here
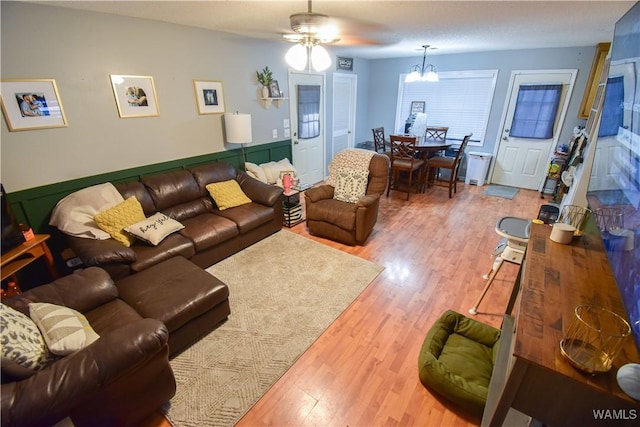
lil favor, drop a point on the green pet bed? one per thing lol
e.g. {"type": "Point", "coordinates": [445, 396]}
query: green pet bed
{"type": "Point", "coordinates": [456, 360]}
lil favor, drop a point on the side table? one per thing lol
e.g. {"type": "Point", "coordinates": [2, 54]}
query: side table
{"type": "Point", "coordinates": [18, 258]}
{"type": "Point", "coordinates": [292, 208]}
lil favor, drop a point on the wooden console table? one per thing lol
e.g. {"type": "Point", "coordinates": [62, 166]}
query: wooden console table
{"type": "Point", "coordinates": [530, 374]}
{"type": "Point", "coordinates": [18, 258]}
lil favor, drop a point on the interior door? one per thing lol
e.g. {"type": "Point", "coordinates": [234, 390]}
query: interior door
{"type": "Point", "coordinates": [344, 112]}
{"type": "Point", "coordinates": [308, 147]}
{"type": "Point", "coordinates": [522, 162]}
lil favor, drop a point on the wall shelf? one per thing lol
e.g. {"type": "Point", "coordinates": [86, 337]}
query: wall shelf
{"type": "Point", "coordinates": [267, 101]}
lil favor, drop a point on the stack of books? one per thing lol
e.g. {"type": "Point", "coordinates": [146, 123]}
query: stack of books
{"type": "Point", "coordinates": [292, 212]}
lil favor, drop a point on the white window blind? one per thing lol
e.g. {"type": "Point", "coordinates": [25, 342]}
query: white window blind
{"type": "Point", "coordinates": [461, 100]}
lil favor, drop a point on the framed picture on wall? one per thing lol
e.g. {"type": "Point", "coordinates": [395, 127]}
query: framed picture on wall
{"type": "Point", "coordinates": [417, 107]}
{"type": "Point", "coordinates": [135, 96]}
{"type": "Point", "coordinates": [31, 104]}
{"type": "Point", "coordinates": [274, 89]}
{"type": "Point", "coordinates": [209, 96]}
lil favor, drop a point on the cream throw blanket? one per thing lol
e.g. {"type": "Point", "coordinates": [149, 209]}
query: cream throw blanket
{"type": "Point", "coordinates": [351, 158]}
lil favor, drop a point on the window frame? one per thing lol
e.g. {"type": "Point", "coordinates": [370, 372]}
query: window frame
{"type": "Point", "coordinates": [405, 98]}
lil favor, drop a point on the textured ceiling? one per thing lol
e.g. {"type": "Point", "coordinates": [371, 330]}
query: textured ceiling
{"type": "Point", "coordinates": [388, 29]}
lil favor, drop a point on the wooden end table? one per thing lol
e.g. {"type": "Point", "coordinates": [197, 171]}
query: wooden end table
{"type": "Point", "coordinates": [18, 258]}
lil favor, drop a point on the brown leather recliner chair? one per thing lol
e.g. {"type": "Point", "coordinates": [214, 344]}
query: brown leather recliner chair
{"type": "Point", "coordinates": [349, 223]}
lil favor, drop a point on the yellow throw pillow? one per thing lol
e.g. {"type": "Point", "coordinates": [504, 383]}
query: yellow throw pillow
{"type": "Point", "coordinates": [227, 194]}
{"type": "Point", "coordinates": [115, 219]}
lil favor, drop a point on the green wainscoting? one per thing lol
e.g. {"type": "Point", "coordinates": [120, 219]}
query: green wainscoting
{"type": "Point", "coordinates": [33, 206]}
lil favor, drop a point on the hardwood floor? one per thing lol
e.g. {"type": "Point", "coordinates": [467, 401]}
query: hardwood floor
{"type": "Point", "coordinates": [363, 371]}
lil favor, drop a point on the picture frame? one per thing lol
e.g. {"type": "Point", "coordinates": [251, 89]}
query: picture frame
{"type": "Point", "coordinates": [274, 89]}
{"type": "Point", "coordinates": [135, 96]}
{"type": "Point", "coordinates": [344, 63]}
{"type": "Point", "coordinates": [31, 104]}
{"type": "Point", "coordinates": [283, 173]}
{"type": "Point", "coordinates": [209, 96]}
{"type": "Point", "coordinates": [417, 107]}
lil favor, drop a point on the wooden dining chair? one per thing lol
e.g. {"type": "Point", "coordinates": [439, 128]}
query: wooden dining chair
{"type": "Point", "coordinates": [436, 134]}
{"type": "Point", "coordinates": [379, 140]}
{"type": "Point", "coordinates": [437, 163]}
{"type": "Point", "coordinates": [405, 161]}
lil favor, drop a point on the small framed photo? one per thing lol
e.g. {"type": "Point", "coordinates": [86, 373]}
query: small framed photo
{"type": "Point", "coordinates": [274, 89]}
{"type": "Point", "coordinates": [31, 104]}
{"type": "Point", "coordinates": [417, 107]}
{"type": "Point", "coordinates": [209, 96]}
{"type": "Point", "coordinates": [135, 96]}
{"type": "Point", "coordinates": [343, 63]}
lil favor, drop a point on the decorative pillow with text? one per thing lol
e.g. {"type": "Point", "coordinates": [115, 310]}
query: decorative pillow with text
{"type": "Point", "coordinates": [154, 229]}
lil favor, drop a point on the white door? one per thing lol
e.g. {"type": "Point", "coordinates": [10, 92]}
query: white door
{"type": "Point", "coordinates": [522, 162]}
{"type": "Point", "coordinates": [308, 147]}
{"type": "Point", "coordinates": [344, 112]}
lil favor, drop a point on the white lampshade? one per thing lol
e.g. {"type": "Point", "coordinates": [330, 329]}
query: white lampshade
{"type": "Point", "coordinates": [238, 128]}
{"type": "Point", "coordinates": [320, 59]}
{"type": "Point", "coordinates": [296, 57]}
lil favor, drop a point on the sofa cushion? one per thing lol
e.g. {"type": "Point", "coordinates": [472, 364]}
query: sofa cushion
{"type": "Point", "coordinates": [332, 211]}
{"type": "Point", "coordinates": [154, 229]}
{"type": "Point", "coordinates": [171, 188]}
{"type": "Point", "coordinates": [208, 230]}
{"type": "Point", "coordinates": [173, 245]}
{"type": "Point", "coordinates": [64, 330]}
{"type": "Point", "coordinates": [24, 350]}
{"type": "Point", "coordinates": [115, 219]}
{"type": "Point", "coordinates": [190, 209]}
{"type": "Point", "coordinates": [212, 172]}
{"type": "Point", "coordinates": [351, 184]}
{"type": "Point", "coordinates": [181, 291]}
{"type": "Point", "coordinates": [137, 189]}
{"type": "Point", "coordinates": [249, 216]}
{"type": "Point", "coordinates": [227, 194]}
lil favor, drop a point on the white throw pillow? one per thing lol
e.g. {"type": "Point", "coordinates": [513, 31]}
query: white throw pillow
{"type": "Point", "coordinates": [64, 330]}
{"type": "Point", "coordinates": [351, 184]}
{"type": "Point", "coordinates": [255, 171]}
{"type": "Point", "coordinates": [154, 229]}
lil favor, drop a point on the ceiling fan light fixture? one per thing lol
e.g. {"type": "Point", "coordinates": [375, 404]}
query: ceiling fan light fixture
{"type": "Point", "coordinates": [320, 59]}
{"type": "Point", "coordinates": [297, 57]}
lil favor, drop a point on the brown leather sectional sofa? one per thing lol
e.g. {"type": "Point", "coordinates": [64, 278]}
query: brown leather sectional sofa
{"type": "Point", "coordinates": [147, 303]}
{"type": "Point", "coordinates": [118, 380]}
{"type": "Point", "coordinates": [209, 236]}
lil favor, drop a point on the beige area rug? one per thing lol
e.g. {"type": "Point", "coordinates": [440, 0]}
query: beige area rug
{"type": "Point", "coordinates": [284, 292]}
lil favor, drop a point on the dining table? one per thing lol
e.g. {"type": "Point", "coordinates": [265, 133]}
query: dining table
{"type": "Point", "coordinates": [428, 148]}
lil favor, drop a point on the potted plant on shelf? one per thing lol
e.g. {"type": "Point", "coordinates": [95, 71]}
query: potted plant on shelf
{"type": "Point", "coordinates": [264, 78]}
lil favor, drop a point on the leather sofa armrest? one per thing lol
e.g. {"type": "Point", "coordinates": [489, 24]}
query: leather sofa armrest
{"type": "Point", "coordinates": [258, 191]}
{"type": "Point", "coordinates": [50, 395]}
{"type": "Point", "coordinates": [320, 192]}
{"type": "Point", "coordinates": [101, 252]}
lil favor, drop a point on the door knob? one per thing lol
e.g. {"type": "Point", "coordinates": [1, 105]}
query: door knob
{"type": "Point", "coordinates": [504, 138]}
{"type": "Point", "coordinates": [296, 142]}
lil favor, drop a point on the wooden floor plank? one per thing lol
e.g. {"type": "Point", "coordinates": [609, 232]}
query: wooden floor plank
{"type": "Point", "coordinates": [363, 370]}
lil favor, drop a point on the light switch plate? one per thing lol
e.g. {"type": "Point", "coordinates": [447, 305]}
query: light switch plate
{"type": "Point", "coordinates": [287, 133]}
{"type": "Point", "coordinates": [285, 124]}
{"type": "Point", "coordinates": [275, 133]}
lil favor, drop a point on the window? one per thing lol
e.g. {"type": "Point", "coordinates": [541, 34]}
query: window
{"type": "Point", "coordinates": [308, 111]}
{"type": "Point", "coordinates": [611, 118]}
{"type": "Point", "coordinates": [536, 111]}
{"type": "Point", "coordinates": [461, 100]}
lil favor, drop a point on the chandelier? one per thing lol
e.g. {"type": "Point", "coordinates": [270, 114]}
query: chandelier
{"type": "Point", "coordinates": [311, 29]}
{"type": "Point", "coordinates": [424, 73]}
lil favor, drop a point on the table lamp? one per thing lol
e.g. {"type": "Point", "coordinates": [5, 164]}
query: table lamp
{"type": "Point", "coordinates": [238, 130]}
